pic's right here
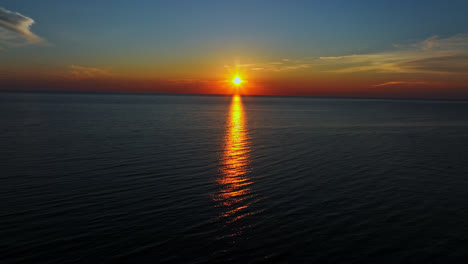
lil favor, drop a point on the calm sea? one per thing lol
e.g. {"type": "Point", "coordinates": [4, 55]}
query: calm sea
{"type": "Point", "coordinates": [114, 178]}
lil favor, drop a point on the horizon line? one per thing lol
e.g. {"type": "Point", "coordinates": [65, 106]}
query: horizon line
{"type": "Point", "coordinates": [230, 95]}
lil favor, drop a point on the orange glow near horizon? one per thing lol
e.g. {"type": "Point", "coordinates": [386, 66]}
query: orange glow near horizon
{"type": "Point", "coordinates": [233, 182]}
{"type": "Point", "coordinates": [237, 79]}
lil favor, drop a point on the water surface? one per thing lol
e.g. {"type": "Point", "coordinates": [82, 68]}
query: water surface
{"type": "Point", "coordinates": [130, 178]}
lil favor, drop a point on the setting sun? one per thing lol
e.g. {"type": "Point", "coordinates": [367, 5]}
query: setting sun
{"type": "Point", "coordinates": [237, 80]}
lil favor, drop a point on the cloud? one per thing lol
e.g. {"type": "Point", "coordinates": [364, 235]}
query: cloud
{"type": "Point", "coordinates": [273, 66]}
{"type": "Point", "coordinates": [430, 43]}
{"type": "Point", "coordinates": [443, 57]}
{"type": "Point", "coordinates": [434, 55]}
{"type": "Point", "coordinates": [399, 83]}
{"type": "Point", "coordinates": [75, 72]}
{"type": "Point", "coordinates": [331, 58]}
{"type": "Point", "coordinates": [458, 42]}
{"type": "Point", "coordinates": [81, 72]}
{"type": "Point", "coordinates": [14, 26]}
{"type": "Point", "coordinates": [445, 64]}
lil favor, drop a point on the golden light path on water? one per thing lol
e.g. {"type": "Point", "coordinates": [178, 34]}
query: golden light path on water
{"type": "Point", "coordinates": [233, 181]}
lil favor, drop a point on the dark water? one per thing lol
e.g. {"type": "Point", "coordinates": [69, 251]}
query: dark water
{"type": "Point", "coordinates": [147, 178]}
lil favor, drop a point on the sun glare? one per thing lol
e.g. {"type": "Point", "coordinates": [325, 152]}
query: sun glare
{"type": "Point", "coordinates": [237, 80]}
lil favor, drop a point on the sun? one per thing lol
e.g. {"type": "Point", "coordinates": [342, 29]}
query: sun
{"type": "Point", "coordinates": [237, 80]}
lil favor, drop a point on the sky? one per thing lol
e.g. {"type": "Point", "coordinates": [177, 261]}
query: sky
{"type": "Point", "coordinates": [409, 49]}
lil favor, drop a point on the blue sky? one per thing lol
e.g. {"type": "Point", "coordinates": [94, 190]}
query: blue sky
{"type": "Point", "coordinates": [293, 27]}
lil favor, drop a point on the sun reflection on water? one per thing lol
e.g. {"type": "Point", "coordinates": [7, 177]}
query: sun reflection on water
{"type": "Point", "coordinates": [234, 184]}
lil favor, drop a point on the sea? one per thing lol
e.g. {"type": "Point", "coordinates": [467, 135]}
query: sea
{"type": "Point", "coordinates": [145, 178]}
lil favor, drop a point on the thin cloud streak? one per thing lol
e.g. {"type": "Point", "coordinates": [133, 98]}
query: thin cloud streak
{"type": "Point", "coordinates": [284, 65]}
{"type": "Point", "coordinates": [400, 83]}
{"type": "Point", "coordinates": [75, 72]}
{"type": "Point", "coordinates": [80, 72]}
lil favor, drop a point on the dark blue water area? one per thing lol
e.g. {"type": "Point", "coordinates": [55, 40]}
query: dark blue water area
{"type": "Point", "coordinates": [126, 178]}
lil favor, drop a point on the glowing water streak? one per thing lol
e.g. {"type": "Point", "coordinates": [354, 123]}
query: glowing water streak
{"type": "Point", "coordinates": [233, 182]}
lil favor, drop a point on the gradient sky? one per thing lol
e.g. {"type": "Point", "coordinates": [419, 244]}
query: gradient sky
{"type": "Point", "coordinates": [324, 48]}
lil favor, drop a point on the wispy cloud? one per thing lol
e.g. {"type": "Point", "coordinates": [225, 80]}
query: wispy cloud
{"type": "Point", "coordinates": [399, 83]}
{"type": "Point", "coordinates": [81, 72]}
{"type": "Point", "coordinates": [273, 66]}
{"type": "Point", "coordinates": [15, 29]}
{"type": "Point", "coordinates": [331, 58]}
{"type": "Point", "coordinates": [434, 55]}
{"type": "Point", "coordinates": [75, 72]}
